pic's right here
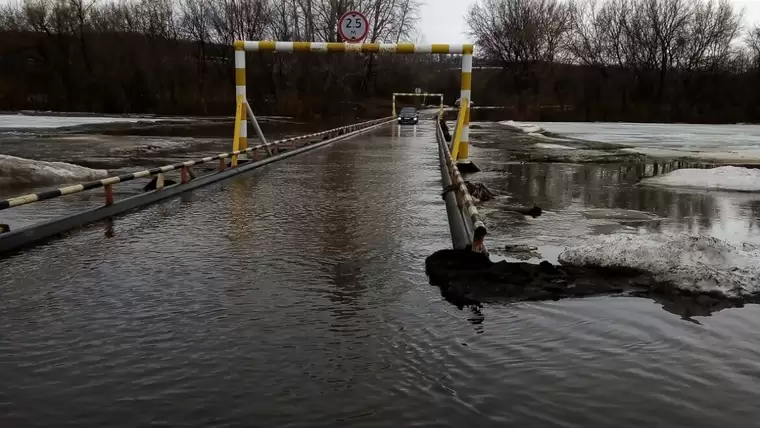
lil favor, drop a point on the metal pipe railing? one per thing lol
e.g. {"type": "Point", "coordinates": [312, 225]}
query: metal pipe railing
{"type": "Point", "coordinates": [460, 238]}
{"type": "Point", "coordinates": [159, 171]}
{"type": "Point", "coordinates": [28, 235]}
{"type": "Point", "coordinates": [464, 199]}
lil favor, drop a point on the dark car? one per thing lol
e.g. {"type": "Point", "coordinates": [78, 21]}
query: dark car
{"type": "Point", "coordinates": [408, 115]}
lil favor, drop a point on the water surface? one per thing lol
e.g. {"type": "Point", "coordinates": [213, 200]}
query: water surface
{"type": "Point", "coordinates": [296, 296]}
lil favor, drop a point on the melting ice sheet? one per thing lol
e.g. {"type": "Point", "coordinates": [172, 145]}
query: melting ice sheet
{"type": "Point", "coordinates": [722, 178]}
{"type": "Point", "coordinates": [20, 171]}
{"type": "Point", "coordinates": [689, 262]}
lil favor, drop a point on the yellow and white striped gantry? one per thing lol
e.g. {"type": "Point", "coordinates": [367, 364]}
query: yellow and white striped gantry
{"type": "Point", "coordinates": [465, 50]}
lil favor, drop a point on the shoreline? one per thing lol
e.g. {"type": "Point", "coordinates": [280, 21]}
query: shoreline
{"type": "Point", "coordinates": [530, 142]}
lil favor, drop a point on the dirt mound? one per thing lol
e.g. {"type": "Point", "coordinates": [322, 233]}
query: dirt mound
{"type": "Point", "coordinates": [467, 278]}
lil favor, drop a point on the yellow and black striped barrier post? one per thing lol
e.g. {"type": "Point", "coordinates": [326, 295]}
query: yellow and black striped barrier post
{"type": "Point", "coordinates": [456, 143]}
{"type": "Point", "coordinates": [466, 50]}
{"type": "Point", "coordinates": [465, 96]}
{"type": "Point", "coordinates": [240, 91]}
{"type": "Point", "coordinates": [236, 137]}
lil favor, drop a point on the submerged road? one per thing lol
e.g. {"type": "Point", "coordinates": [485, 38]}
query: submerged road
{"type": "Point", "coordinates": [296, 296]}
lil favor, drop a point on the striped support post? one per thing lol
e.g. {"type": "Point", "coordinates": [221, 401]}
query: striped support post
{"type": "Point", "coordinates": [465, 97]}
{"type": "Point", "coordinates": [397, 48]}
{"type": "Point", "coordinates": [240, 90]}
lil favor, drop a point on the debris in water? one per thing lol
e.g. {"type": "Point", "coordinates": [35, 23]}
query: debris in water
{"type": "Point", "coordinates": [534, 211]}
{"type": "Point", "coordinates": [479, 191]}
{"type": "Point", "coordinates": [522, 252]}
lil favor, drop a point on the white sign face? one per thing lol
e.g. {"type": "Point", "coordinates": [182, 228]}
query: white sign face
{"type": "Point", "coordinates": [418, 91]}
{"type": "Point", "coordinates": [353, 27]}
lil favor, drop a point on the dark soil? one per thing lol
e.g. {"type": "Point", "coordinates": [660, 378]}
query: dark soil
{"type": "Point", "coordinates": [467, 278]}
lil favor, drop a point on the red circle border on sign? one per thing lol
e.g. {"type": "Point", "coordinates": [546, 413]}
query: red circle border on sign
{"type": "Point", "coordinates": [340, 27]}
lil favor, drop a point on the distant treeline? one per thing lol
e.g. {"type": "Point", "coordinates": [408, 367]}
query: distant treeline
{"type": "Point", "coordinates": [621, 60]}
{"type": "Point", "coordinates": [167, 56]}
{"type": "Point", "coordinates": [617, 60]}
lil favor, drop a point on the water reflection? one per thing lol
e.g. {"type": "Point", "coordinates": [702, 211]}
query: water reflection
{"type": "Point", "coordinates": [339, 222]}
{"type": "Point", "coordinates": [303, 287]}
{"type": "Point", "coordinates": [568, 190]}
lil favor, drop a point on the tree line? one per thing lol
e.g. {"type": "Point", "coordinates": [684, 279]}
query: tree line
{"type": "Point", "coordinates": [621, 60]}
{"type": "Point", "coordinates": [176, 56]}
{"type": "Point", "coordinates": [632, 60]}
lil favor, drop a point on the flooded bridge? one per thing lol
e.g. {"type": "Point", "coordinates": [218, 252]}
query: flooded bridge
{"type": "Point", "coordinates": [284, 281]}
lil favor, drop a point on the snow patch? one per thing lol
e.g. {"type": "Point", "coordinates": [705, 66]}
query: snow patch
{"type": "Point", "coordinates": [535, 131]}
{"type": "Point", "coordinates": [47, 122]}
{"type": "Point", "coordinates": [553, 146]}
{"type": "Point", "coordinates": [15, 171]}
{"type": "Point", "coordinates": [151, 147]}
{"type": "Point", "coordinates": [522, 126]}
{"type": "Point", "coordinates": [721, 178]}
{"type": "Point", "coordinates": [694, 263]}
{"type": "Point", "coordinates": [746, 156]}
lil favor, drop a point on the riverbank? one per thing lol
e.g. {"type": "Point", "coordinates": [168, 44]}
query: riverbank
{"type": "Point", "coordinates": [42, 149]}
{"type": "Point", "coordinates": [737, 144]}
{"type": "Point", "coordinates": [613, 203]}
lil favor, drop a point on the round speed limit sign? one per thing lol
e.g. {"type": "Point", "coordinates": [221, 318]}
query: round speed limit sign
{"type": "Point", "coordinates": [353, 27]}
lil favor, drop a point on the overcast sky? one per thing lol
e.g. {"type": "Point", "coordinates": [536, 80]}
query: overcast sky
{"type": "Point", "coordinates": [443, 21]}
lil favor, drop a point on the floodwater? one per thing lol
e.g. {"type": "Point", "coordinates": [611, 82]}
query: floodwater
{"type": "Point", "coordinates": [84, 148]}
{"type": "Point", "coordinates": [586, 199]}
{"type": "Point", "coordinates": [8, 121]}
{"type": "Point", "coordinates": [296, 296]}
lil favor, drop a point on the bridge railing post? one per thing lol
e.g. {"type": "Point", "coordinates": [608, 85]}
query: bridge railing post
{"type": "Point", "coordinates": [240, 91]}
{"type": "Point", "coordinates": [236, 139]}
{"type": "Point", "coordinates": [465, 96]}
{"type": "Point", "coordinates": [108, 188]}
{"type": "Point", "coordinates": [457, 142]}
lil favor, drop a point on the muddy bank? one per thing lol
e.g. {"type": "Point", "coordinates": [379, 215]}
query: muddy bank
{"type": "Point", "coordinates": [467, 278]}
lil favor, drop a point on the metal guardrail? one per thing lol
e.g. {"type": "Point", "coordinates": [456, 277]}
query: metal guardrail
{"type": "Point", "coordinates": [182, 166]}
{"type": "Point", "coordinates": [465, 203]}
{"type": "Point", "coordinates": [16, 239]}
{"type": "Point", "coordinates": [460, 235]}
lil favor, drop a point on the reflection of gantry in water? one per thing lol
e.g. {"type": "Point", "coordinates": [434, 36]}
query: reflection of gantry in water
{"type": "Point", "coordinates": [423, 95]}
